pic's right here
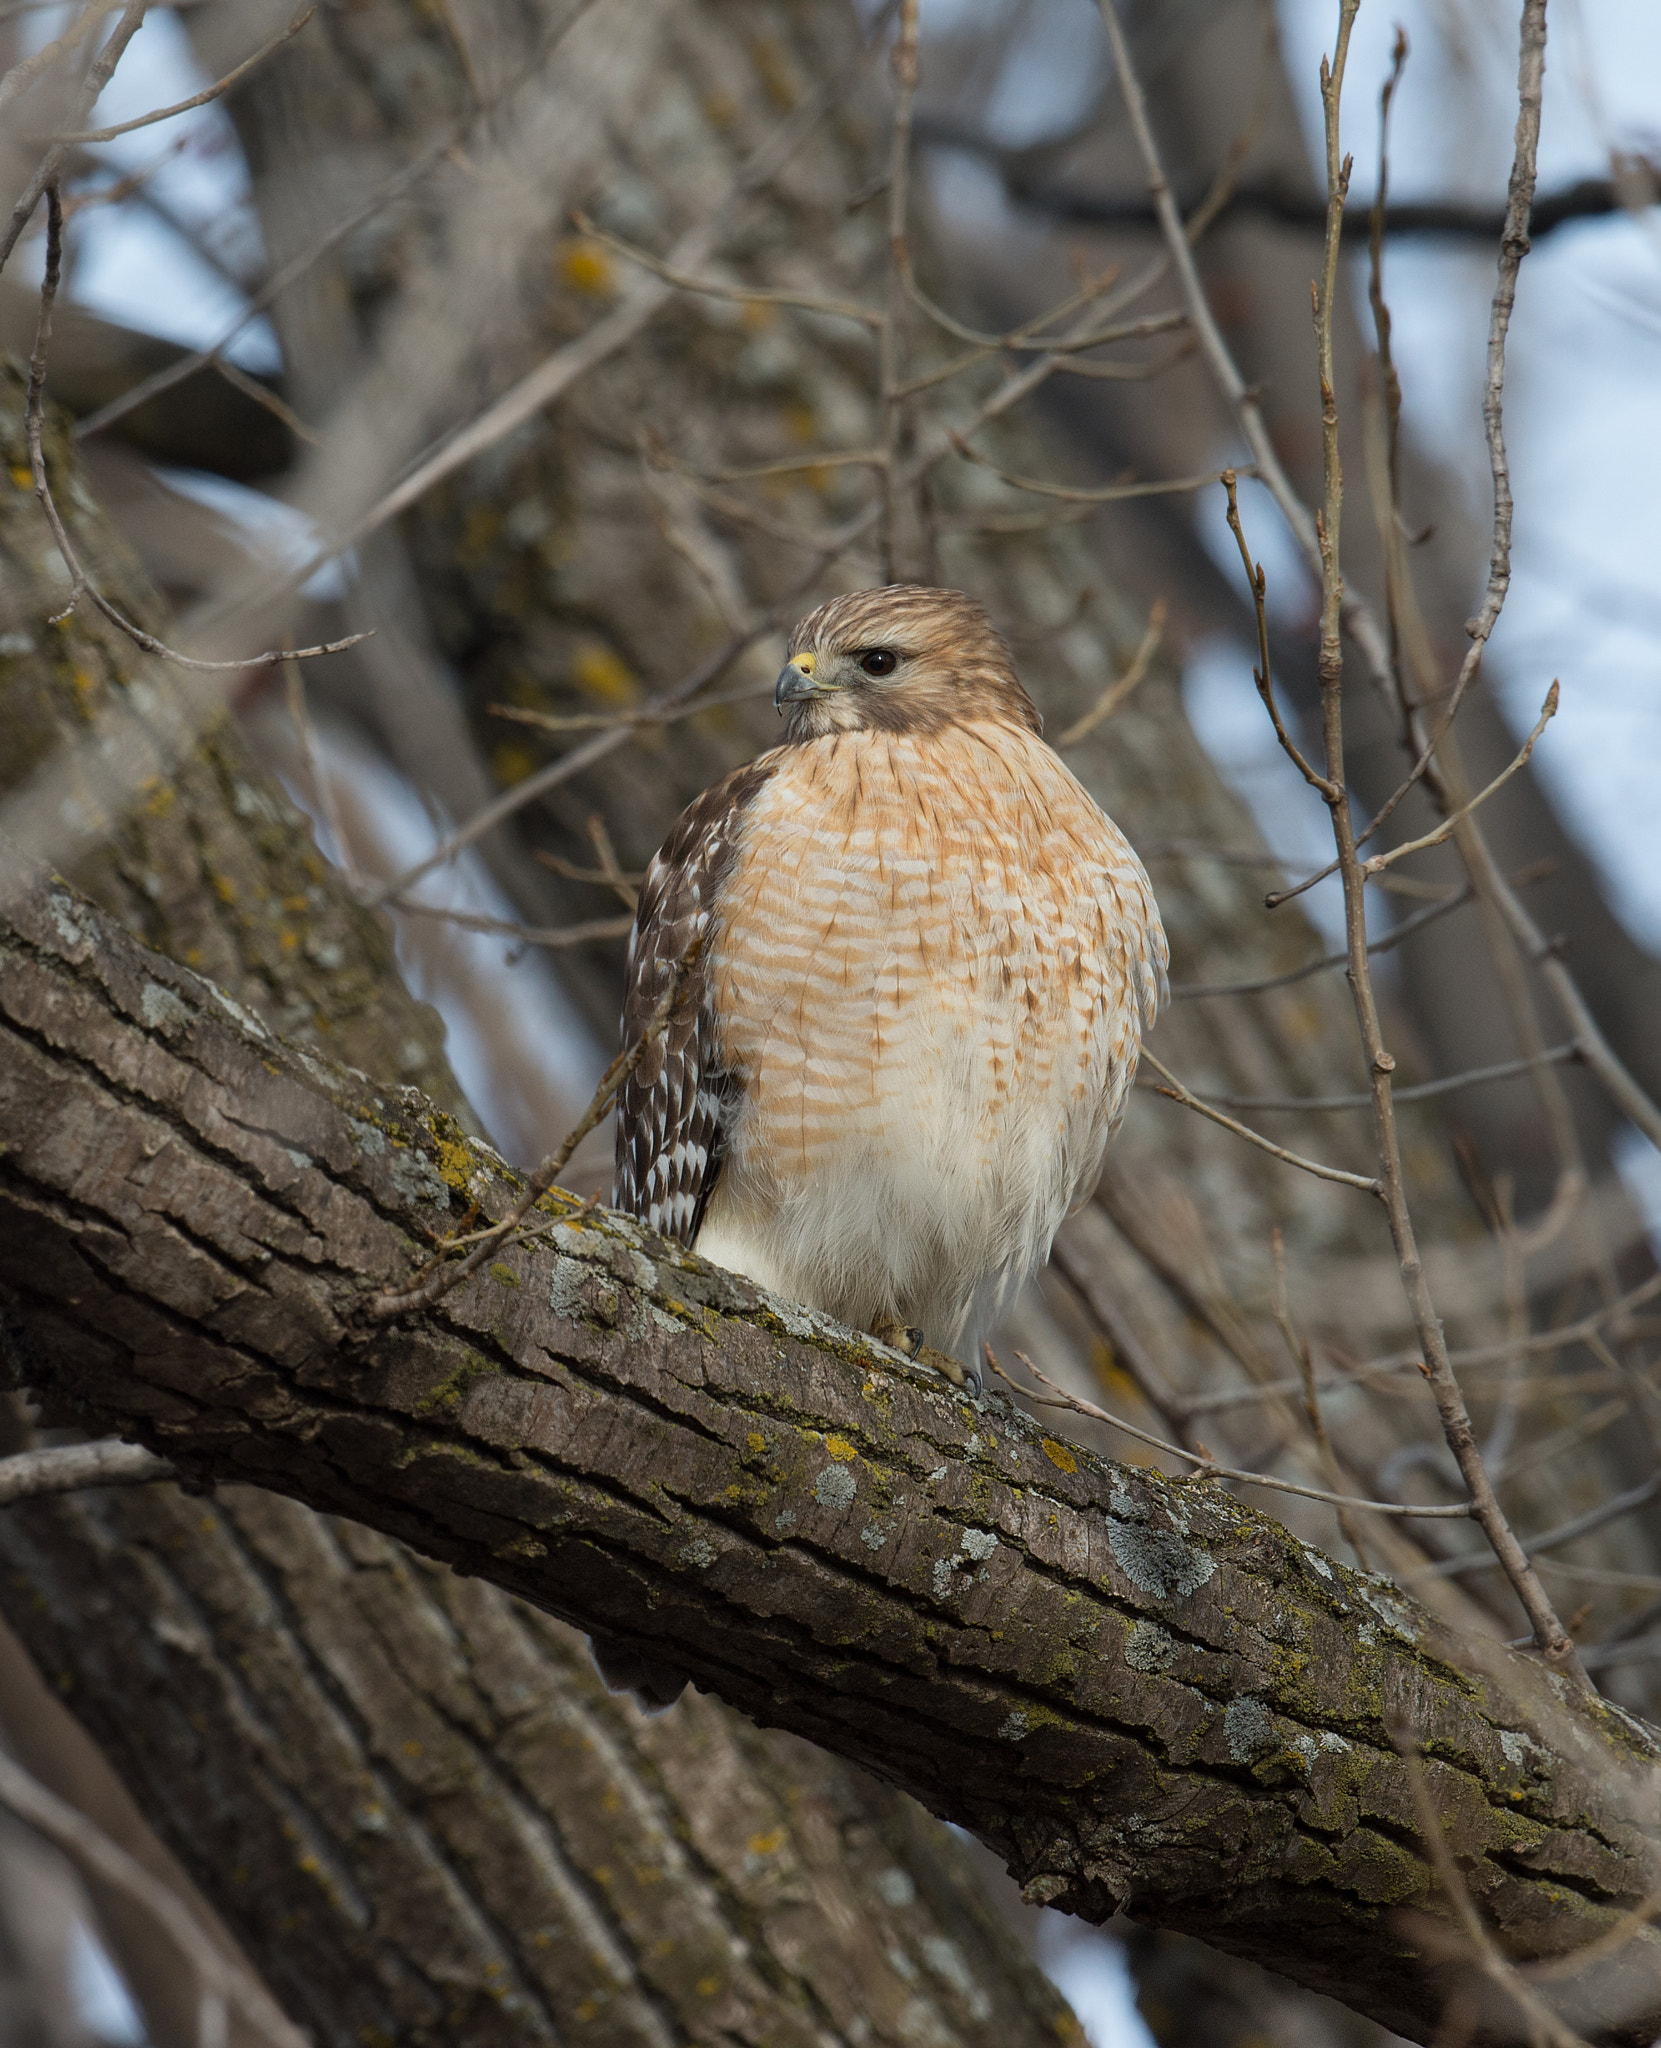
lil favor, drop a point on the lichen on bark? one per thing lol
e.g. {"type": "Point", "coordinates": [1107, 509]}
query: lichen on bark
{"type": "Point", "coordinates": [1137, 1690]}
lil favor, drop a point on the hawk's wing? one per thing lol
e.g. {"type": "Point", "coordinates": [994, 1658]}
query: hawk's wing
{"type": "Point", "coordinates": [670, 1110]}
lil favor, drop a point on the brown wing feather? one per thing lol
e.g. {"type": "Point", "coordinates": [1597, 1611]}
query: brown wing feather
{"type": "Point", "coordinates": [672, 1109]}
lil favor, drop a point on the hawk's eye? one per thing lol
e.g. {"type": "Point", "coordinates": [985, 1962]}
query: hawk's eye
{"type": "Point", "coordinates": [880, 661]}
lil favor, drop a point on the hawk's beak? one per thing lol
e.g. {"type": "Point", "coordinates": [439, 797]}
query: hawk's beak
{"type": "Point", "coordinates": [796, 681]}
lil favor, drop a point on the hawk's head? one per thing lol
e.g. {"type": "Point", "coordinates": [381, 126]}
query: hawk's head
{"type": "Point", "coordinates": [904, 658]}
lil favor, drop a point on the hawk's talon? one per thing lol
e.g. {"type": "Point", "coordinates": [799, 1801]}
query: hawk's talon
{"type": "Point", "coordinates": [905, 1338]}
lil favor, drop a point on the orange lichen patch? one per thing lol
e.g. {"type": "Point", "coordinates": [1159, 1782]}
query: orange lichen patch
{"type": "Point", "coordinates": [603, 673]}
{"type": "Point", "coordinates": [1112, 1374]}
{"type": "Point", "coordinates": [511, 762]}
{"type": "Point", "coordinates": [455, 1163]}
{"type": "Point", "coordinates": [840, 1448]}
{"type": "Point", "coordinates": [800, 422]}
{"type": "Point", "coordinates": [1059, 1455]}
{"type": "Point", "coordinates": [585, 267]}
{"type": "Point", "coordinates": [768, 1844]}
{"type": "Point", "coordinates": [773, 68]}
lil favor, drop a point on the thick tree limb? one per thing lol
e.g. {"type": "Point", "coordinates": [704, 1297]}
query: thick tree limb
{"type": "Point", "coordinates": [1136, 1691]}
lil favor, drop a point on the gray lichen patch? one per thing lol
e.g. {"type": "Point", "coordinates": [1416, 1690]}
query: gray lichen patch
{"type": "Point", "coordinates": [835, 1487]}
{"type": "Point", "coordinates": [1157, 1561]}
{"type": "Point", "coordinates": [1148, 1648]}
{"type": "Point", "coordinates": [1249, 1729]}
{"type": "Point", "coordinates": [161, 1009]}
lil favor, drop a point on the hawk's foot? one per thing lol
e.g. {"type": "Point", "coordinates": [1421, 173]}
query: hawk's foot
{"type": "Point", "coordinates": [905, 1338]}
{"type": "Point", "coordinates": [908, 1341]}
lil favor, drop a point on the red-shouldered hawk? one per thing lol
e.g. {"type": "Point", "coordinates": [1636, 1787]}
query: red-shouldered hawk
{"type": "Point", "coordinates": [928, 962]}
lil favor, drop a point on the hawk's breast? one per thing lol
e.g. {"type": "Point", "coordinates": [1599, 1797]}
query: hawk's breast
{"type": "Point", "coordinates": [930, 965]}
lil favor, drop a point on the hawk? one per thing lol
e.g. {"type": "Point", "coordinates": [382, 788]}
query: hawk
{"type": "Point", "coordinates": [927, 961]}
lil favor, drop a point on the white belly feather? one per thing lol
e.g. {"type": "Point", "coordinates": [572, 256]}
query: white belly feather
{"type": "Point", "coordinates": [933, 991]}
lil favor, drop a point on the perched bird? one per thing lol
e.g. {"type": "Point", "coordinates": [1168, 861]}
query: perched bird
{"type": "Point", "coordinates": [927, 962]}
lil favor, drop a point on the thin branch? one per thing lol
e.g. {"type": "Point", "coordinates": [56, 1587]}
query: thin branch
{"type": "Point", "coordinates": [67, 1468]}
{"type": "Point", "coordinates": [1207, 1467]}
{"type": "Point", "coordinates": [1191, 991]}
{"type": "Point", "coordinates": [1105, 494]}
{"type": "Point", "coordinates": [1178, 1093]}
{"type": "Point", "coordinates": [1449, 825]}
{"type": "Point", "coordinates": [1550, 1637]}
{"type": "Point", "coordinates": [1443, 219]}
{"type": "Point", "coordinates": [554, 937]}
{"type": "Point", "coordinates": [80, 584]}
{"type": "Point", "coordinates": [637, 716]}
{"type": "Point", "coordinates": [1261, 675]}
{"type": "Point", "coordinates": [200, 99]}
{"type": "Point", "coordinates": [436, 1280]}
{"type": "Point", "coordinates": [711, 288]}
{"type": "Point", "coordinates": [1559, 1338]}
{"type": "Point", "coordinates": [1544, 2027]}
{"type": "Point", "coordinates": [1117, 693]}
{"type": "Point", "coordinates": [792, 465]}
{"type": "Point", "coordinates": [273, 288]}
{"type": "Point", "coordinates": [1240, 397]}
{"type": "Point", "coordinates": [1424, 1091]}
{"type": "Point", "coordinates": [221, 1985]}
{"type": "Point", "coordinates": [891, 401]}
{"type": "Point", "coordinates": [1611, 1510]}
{"type": "Point", "coordinates": [99, 73]}
{"type": "Point", "coordinates": [1298, 1346]}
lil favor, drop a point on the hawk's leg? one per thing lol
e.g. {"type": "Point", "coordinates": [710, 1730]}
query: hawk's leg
{"type": "Point", "coordinates": [908, 1341]}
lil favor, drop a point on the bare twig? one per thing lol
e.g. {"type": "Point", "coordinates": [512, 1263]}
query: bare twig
{"type": "Point", "coordinates": [80, 584]}
{"type": "Point", "coordinates": [1190, 991]}
{"type": "Point", "coordinates": [891, 402]}
{"type": "Point", "coordinates": [1544, 2026]}
{"type": "Point", "coordinates": [1298, 1345]}
{"type": "Point", "coordinates": [1208, 1468]}
{"type": "Point", "coordinates": [436, 1280]}
{"type": "Point", "coordinates": [635, 716]}
{"type": "Point", "coordinates": [1261, 675]}
{"type": "Point", "coordinates": [1425, 1091]}
{"type": "Point", "coordinates": [554, 937]}
{"type": "Point", "coordinates": [675, 275]}
{"type": "Point", "coordinates": [1117, 693]}
{"type": "Point", "coordinates": [273, 288]}
{"type": "Point", "coordinates": [221, 1985]}
{"type": "Point", "coordinates": [1450, 825]}
{"type": "Point", "coordinates": [99, 73]}
{"type": "Point", "coordinates": [67, 1468]}
{"type": "Point", "coordinates": [200, 99]}
{"type": "Point", "coordinates": [1101, 494]}
{"type": "Point", "coordinates": [1549, 1634]}
{"type": "Point", "coordinates": [1178, 1093]}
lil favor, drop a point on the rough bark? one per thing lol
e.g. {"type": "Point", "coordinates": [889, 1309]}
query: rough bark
{"type": "Point", "coordinates": [1138, 1692]}
{"type": "Point", "coordinates": [409, 1795]}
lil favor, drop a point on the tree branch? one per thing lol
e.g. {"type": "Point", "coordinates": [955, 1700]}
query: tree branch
{"type": "Point", "coordinates": [1135, 1690]}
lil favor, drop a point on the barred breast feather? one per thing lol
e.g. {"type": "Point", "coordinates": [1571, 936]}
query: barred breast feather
{"type": "Point", "coordinates": [929, 960]}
